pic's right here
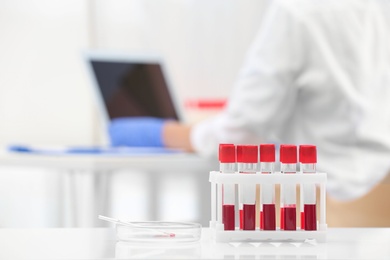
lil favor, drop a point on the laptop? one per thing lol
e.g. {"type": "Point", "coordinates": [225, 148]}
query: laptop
{"type": "Point", "coordinates": [130, 85]}
{"type": "Point", "coordinates": [123, 85]}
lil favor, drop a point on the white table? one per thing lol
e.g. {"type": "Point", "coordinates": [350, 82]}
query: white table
{"type": "Point", "coordinates": [100, 243]}
{"type": "Point", "coordinates": [90, 173]}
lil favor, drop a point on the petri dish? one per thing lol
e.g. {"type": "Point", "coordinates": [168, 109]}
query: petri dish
{"type": "Point", "coordinates": [159, 231]}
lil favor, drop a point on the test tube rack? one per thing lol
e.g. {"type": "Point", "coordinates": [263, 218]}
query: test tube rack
{"type": "Point", "coordinates": [217, 179]}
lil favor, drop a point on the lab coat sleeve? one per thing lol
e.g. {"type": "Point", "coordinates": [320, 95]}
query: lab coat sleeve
{"type": "Point", "coordinates": [264, 94]}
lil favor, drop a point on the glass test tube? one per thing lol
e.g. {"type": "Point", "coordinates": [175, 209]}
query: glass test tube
{"type": "Point", "coordinates": [267, 207]}
{"type": "Point", "coordinates": [247, 160]}
{"type": "Point", "coordinates": [227, 165]}
{"type": "Point", "coordinates": [288, 209]}
{"type": "Point", "coordinates": [308, 160]}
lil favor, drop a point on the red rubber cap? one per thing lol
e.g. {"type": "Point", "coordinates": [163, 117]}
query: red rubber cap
{"type": "Point", "coordinates": [267, 153]}
{"type": "Point", "coordinates": [247, 153]}
{"type": "Point", "coordinates": [227, 153]}
{"type": "Point", "coordinates": [307, 153]}
{"type": "Point", "coordinates": [288, 153]}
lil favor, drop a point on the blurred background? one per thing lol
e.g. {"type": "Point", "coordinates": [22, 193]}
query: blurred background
{"type": "Point", "coordinates": [45, 96]}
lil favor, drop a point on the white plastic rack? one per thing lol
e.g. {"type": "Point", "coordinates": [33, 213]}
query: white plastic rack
{"type": "Point", "coordinates": [217, 180]}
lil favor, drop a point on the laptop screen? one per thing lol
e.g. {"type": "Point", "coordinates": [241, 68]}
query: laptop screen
{"type": "Point", "coordinates": [133, 89]}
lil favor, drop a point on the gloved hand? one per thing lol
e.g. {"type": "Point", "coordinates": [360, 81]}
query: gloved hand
{"type": "Point", "coordinates": [136, 131]}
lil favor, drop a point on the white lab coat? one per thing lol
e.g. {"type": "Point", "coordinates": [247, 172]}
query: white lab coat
{"type": "Point", "coordinates": [317, 73]}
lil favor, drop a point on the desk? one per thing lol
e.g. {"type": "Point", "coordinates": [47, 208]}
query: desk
{"type": "Point", "coordinates": [90, 174]}
{"type": "Point", "coordinates": [100, 243]}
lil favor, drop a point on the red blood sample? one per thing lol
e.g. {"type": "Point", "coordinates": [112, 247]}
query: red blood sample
{"type": "Point", "coordinates": [241, 218]}
{"type": "Point", "coordinates": [282, 218]}
{"type": "Point", "coordinates": [310, 217]}
{"type": "Point", "coordinates": [228, 217]}
{"type": "Point", "coordinates": [302, 220]}
{"type": "Point", "coordinates": [269, 220]}
{"type": "Point", "coordinates": [166, 235]}
{"type": "Point", "coordinates": [249, 217]}
{"type": "Point", "coordinates": [290, 218]}
{"type": "Point", "coordinates": [261, 220]}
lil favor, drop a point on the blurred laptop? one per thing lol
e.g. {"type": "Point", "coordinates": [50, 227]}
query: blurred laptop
{"type": "Point", "coordinates": [130, 85]}
{"type": "Point", "coordinates": [123, 85]}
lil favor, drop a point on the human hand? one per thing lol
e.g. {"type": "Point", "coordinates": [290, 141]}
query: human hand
{"type": "Point", "coordinates": [136, 131]}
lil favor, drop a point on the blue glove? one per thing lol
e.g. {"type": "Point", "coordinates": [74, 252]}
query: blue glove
{"type": "Point", "coordinates": [136, 131]}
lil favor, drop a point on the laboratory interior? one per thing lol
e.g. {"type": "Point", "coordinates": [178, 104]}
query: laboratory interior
{"type": "Point", "coordinates": [194, 129]}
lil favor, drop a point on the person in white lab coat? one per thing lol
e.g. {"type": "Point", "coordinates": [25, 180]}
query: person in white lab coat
{"type": "Point", "coordinates": [319, 73]}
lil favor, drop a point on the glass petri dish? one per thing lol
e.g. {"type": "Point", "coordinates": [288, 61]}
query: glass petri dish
{"type": "Point", "coordinates": [159, 231]}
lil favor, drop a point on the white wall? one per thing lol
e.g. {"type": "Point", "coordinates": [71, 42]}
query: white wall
{"type": "Point", "coordinates": [45, 96]}
{"type": "Point", "coordinates": [44, 99]}
{"type": "Point", "coordinates": [203, 41]}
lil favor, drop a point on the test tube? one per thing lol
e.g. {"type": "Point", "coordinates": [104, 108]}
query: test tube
{"type": "Point", "coordinates": [247, 161]}
{"type": "Point", "coordinates": [308, 160]}
{"type": "Point", "coordinates": [227, 165]}
{"type": "Point", "coordinates": [288, 209]}
{"type": "Point", "coordinates": [267, 207]}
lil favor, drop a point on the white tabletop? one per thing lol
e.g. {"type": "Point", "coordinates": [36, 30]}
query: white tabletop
{"type": "Point", "coordinates": [104, 161]}
{"type": "Point", "coordinates": [100, 243]}
{"type": "Point", "coordinates": [87, 178]}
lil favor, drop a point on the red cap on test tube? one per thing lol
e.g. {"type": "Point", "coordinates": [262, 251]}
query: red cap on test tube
{"type": "Point", "coordinates": [247, 153]}
{"type": "Point", "coordinates": [227, 153]}
{"type": "Point", "coordinates": [288, 153]}
{"type": "Point", "coordinates": [267, 153]}
{"type": "Point", "coordinates": [307, 154]}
